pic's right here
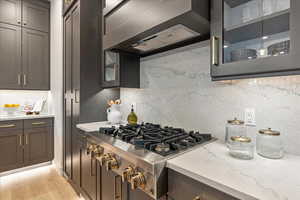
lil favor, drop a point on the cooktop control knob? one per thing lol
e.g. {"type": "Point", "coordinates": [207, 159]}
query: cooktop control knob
{"type": "Point", "coordinates": [112, 163]}
{"type": "Point", "coordinates": [138, 181]}
{"type": "Point", "coordinates": [98, 151]}
{"type": "Point", "coordinates": [90, 148]}
{"type": "Point", "coordinates": [128, 173]}
{"type": "Point", "coordinates": [104, 158]}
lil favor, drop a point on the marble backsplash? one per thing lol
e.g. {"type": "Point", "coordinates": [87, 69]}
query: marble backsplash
{"type": "Point", "coordinates": [23, 97]}
{"type": "Point", "coordinates": [176, 89]}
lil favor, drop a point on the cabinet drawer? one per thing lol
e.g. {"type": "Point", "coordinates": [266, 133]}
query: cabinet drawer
{"type": "Point", "coordinates": [37, 123]}
{"type": "Point", "coordinates": [177, 183]}
{"type": "Point", "coordinates": [11, 125]}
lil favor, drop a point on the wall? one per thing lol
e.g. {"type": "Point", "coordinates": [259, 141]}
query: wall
{"type": "Point", "coordinates": [57, 78]}
{"type": "Point", "coordinates": [176, 90]}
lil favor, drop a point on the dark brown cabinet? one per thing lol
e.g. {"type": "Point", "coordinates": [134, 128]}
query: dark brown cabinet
{"type": "Point", "coordinates": [254, 38]}
{"type": "Point", "coordinates": [38, 145]}
{"type": "Point", "coordinates": [84, 100]}
{"type": "Point", "coordinates": [89, 174]}
{"type": "Point", "coordinates": [10, 57]}
{"type": "Point", "coordinates": [11, 146]}
{"type": "Point", "coordinates": [35, 60]}
{"type": "Point", "coordinates": [36, 15]}
{"type": "Point", "coordinates": [25, 142]}
{"type": "Point", "coordinates": [120, 70]}
{"type": "Point", "coordinates": [10, 11]}
{"type": "Point", "coordinates": [24, 47]}
{"type": "Point", "coordinates": [192, 189]}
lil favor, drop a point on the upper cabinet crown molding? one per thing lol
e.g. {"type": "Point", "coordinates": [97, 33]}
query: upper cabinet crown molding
{"type": "Point", "coordinates": [254, 39]}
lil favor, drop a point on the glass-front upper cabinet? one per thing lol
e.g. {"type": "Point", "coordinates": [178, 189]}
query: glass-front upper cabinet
{"type": "Point", "coordinates": [111, 69]}
{"type": "Point", "coordinates": [254, 38]}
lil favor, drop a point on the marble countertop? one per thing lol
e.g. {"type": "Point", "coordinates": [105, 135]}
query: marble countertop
{"type": "Point", "coordinates": [94, 126]}
{"type": "Point", "coordinates": [23, 116]}
{"type": "Point", "coordinates": [259, 178]}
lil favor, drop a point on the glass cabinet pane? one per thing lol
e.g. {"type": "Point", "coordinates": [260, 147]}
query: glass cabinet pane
{"type": "Point", "coordinates": [111, 64]}
{"type": "Point", "coordinates": [254, 29]}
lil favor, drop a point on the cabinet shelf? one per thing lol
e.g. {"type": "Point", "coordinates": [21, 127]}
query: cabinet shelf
{"type": "Point", "coordinates": [267, 25]}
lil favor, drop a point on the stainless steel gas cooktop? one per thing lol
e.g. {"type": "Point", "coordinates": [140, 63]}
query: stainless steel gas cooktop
{"type": "Point", "coordinates": [139, 152]}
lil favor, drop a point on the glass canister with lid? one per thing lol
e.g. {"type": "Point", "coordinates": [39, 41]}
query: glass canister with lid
{"type": "Point", "coordinates": [234, 127]}
{"type": "Point", "coordinates": [269, 144]}
{"type": "Point", "coordinates": [241, 147]}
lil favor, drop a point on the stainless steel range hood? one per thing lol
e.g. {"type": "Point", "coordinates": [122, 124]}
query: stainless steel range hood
{"type": "Point", "coordinates": [146, 27]}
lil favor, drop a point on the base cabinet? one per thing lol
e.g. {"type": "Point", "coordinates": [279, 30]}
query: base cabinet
{"type": "Point", "coordinates": [181, 187]}
{"type": "Point", "coordinates": [25, 142]}
{"type": "Point", "coordinates": [11, 149]}
{"type": "Point", "coordinates": [89, 174]}
{"type": "Point", "coordinates": [38, 145]}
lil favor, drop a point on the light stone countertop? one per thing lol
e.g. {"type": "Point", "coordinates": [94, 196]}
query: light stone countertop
{"type": "Point", "coordinates": [23, 116]}
{"type": "Point", "coordinates": [94, 126]}
{"type": "Point", "coordinates": [259, 178]}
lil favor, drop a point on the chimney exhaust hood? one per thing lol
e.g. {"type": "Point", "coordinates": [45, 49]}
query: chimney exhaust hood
{"type": "Point", "coordinates": [146, 27]}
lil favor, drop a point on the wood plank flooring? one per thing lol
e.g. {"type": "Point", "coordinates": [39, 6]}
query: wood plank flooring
{"type": "Point", "coordinates": [37, 184]}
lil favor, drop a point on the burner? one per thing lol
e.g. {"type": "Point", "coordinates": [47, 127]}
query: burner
{"type": "Point", "coordinates": [161, 140]}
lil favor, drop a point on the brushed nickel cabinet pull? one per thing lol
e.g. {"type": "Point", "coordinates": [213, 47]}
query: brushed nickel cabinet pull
{"type": "Point", "coordinates": [77, 96]}
{"type": "Point", "coordinates": [8, 126]}
{"type": "Point", "coordinates": [26, 140]}
{"type": "Point", "coordinates": [214, 50]}
{"type": "Point", "coordinates": [20, 138]}
{"type": "Point", "coordinates": [19, 79]}
{"type": "Point", "coordinates": [25, 79]}
{"type": "Point", "coordinates": [37, 123]}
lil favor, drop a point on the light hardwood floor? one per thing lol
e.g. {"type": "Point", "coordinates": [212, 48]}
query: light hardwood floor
{"type": "Point", "coordinates": [37, 184]}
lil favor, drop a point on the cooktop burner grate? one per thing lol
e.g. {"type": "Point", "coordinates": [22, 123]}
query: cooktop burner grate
{"type": "Point", "coordinates": [161, 140]}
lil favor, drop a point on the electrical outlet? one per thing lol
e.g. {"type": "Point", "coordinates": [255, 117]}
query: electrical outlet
{"type": "Point", "coordinates": [250, 117]}
{"type": "Point", "coordinates": [134, 106]}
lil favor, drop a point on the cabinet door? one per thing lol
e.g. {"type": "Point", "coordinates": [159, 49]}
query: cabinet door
{"type": "Point", "coordinates": [177, 183]}
{"type": "Point", "coordinates": [111, 69]}
{"type": "Point", "coordinates": [35, 60]}
{"type": "Point", "coordinates": [11, 150]}
{"type": "Point", "coordinates": [68, 101]}
{"type": "Point", "coordinates": [36, 15]}
{"type": "Point", "coordinates": [89, 174]}
{"type": "Point", "coordinates": [10, 11]}
{"type": "Point", "coordinates": [78, 145]}
{"type": "Point", "coordinates": [253, 38]}
{"type": "Point", "coordinates": [10, 57]}
{"type": "Point", "coordinates": [38, 145]}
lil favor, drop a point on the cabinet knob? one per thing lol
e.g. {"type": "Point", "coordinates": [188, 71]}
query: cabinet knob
{"type": "Point", "coordinates": [104, 158]}
{"type": "Point", "coordinates": [112, 163]}
{"type": "Point", "coordinates": [128, 173]}
{"type": "Point", "coordinates": [98, 151]}
{"type": "Point", "coordinates": [138, 181]}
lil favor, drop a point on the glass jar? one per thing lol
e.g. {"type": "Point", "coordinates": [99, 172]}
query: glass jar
{"type": "Point", "coordinates": [241, 147]}
{"type": "Point", "coordinates": [269, 144]}
{"type": "Point", "coordinates": [234, 128]}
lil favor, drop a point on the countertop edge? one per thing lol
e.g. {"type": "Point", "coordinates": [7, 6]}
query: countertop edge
{"type": "Point", "coordinates": [21, 117]}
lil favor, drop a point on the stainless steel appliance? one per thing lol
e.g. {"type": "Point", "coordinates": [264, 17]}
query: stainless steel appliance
{"type": "Point", "coordinates": [143, 26]}
{"type": "Point", "coordinates": [138, 153]}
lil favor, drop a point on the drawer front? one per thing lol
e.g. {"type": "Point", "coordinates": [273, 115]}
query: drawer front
{"type": "Point", "coordinates": [193, 190]}
{"type": "Point", "coordinates": [37, 123]}
{"type": "Point", "coordinates": [11, 125]}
